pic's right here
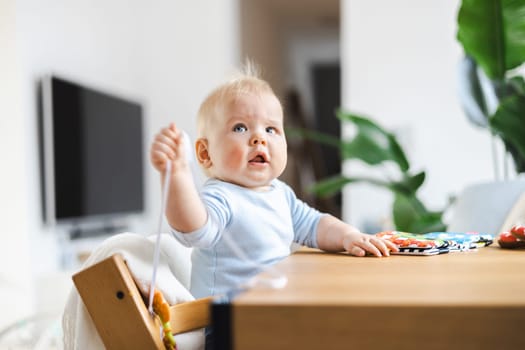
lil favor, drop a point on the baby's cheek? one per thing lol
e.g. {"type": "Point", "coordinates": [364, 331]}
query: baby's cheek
{"type": "Point", "coordinates": [234, 157]}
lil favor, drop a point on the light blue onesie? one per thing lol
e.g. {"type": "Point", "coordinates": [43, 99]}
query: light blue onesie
{"type": "Point", "coordinates": [262, 225]}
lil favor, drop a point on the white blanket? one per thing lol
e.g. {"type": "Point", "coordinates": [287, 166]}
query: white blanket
{"type": "Point", "coordinates": [174, 265]}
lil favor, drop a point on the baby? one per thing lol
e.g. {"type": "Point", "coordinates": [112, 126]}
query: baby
{"type": "Point", "coordinates": [241, 147]}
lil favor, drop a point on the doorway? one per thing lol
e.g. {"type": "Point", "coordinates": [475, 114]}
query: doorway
{"type": "Point", "coordinates": [297, 46]}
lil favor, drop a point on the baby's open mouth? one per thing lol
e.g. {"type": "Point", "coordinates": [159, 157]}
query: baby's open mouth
{"type": "Point", "coordinates": [258, 159]}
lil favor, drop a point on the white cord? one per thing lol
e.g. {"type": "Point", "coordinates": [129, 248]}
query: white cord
{"type": "Point", "coordinates": [156, 253]}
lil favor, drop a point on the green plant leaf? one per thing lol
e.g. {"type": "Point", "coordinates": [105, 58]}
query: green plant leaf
{"type": "Point", "coordinates": [314, 135]}
{"type": "Point", "coordinates": [514, 30]}
{"type": "Point", "coordinates": [430, 222]}
{"type": "Point", "coordinates": [335, 184]}
{"type": "Point", "coordinates": [372, 144]}
{"type": "Point", "coordinates": [518, 84]}
{"type": "Point", "coordinates": [409, 184]}
{"type": "Point", "coordinates": [509, 123]}
{"type": "Point", "coordinates": [471, 93]}
{"type": "Point", "coordinates": [330, 186]}
{"type": "Point", "coordinates": [410, 215]}
{"type": "Point", "coordinates": [397, 153]}
{"type": "Point", "coordinates": [493, 33]}
{"type": "Point", "coordinates": [403, 213]}
{"type": "Point", "coordinates": [406, 187]}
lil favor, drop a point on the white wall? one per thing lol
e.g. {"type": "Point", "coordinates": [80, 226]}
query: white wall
{"type": "Point", "coordinates": [399, 63]}
{"type": "Point", "coordinates": [168, 54]}
{"type": "Point", "coordinates": [15, 286]}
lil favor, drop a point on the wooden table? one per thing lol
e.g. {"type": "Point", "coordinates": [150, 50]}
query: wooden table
{"type": "Point", "coordinates": [467, 300]}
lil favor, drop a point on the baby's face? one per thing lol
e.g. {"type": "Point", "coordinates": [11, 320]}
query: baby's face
{"type": "Point", "coordinates": [247, 144]}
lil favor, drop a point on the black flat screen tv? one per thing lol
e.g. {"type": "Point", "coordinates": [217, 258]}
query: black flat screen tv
{"type": "Point", "coordinates": [92, 155]}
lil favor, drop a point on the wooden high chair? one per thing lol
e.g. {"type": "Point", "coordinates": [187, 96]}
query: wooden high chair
{"type": "Point", "coordinates": [119, 312]}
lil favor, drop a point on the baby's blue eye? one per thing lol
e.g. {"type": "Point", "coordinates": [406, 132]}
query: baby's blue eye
{"type": "Point", "coordinates": [271, 130]}
{"type": "Point", "coordinates": [239, 128]}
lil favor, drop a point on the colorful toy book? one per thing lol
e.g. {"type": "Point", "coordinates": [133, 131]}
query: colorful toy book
{"type": "Point", "coordinates": [434, 243]}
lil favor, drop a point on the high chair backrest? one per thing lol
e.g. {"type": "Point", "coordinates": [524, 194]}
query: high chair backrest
{"type": "Point", "coordinates": [119, 313]}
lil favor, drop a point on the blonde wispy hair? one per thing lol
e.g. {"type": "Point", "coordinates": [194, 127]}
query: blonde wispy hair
{"type": "Point", "coordinates": [246, 80]}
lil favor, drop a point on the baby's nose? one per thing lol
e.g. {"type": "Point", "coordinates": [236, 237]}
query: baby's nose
{"type": "Point", "coordinates": [257, 140]}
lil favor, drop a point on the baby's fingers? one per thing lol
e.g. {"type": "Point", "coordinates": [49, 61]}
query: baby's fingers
{"type": "Point", "coordinates": [391, 245]}
{"type": "Point", "coordinates": [383, 246]}
{"type": "Point", "coordinates": [357, 251]}
{"type": "Point", "coordinates": [162, 148]}
{"type": "Point", "coordinates": [371, 246]}
{"type": "Point", "coordinates": [374, 247]}
{"type": "Point", "coordinates": [170, 136]}
{"type": "Point", "coordinates": [362, 248]}
{"type": "Point", "coordinates": [159, 160]}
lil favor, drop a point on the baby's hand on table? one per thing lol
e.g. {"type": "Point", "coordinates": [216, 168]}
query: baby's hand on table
{"type": "Point", "coordinates": [168, 145]}
{"type": "Point", "coordinates": [359, 244]}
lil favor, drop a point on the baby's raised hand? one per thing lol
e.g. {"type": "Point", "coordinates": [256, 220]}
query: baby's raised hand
{"type": "Point", "coordinates": [168, 145]}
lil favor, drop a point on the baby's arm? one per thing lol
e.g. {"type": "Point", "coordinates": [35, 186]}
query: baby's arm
{"type": "Point", "coordinates": [334, 235]}
{"type": "Point", "coordinates": [185, 211]}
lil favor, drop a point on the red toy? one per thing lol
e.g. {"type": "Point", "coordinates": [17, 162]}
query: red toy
{"type": "Point", "coordinates": [515, 238]}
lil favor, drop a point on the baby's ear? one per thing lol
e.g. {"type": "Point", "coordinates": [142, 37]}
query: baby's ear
{"type": "Point", "coordinates": [201, 150]}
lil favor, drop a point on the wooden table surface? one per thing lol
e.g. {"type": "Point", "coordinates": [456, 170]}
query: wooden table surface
{"type": "Point", "coordinates": [463, 300]}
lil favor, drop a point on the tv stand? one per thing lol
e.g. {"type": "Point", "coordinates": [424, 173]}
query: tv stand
{"type": "Point", "coordinates": [77, 231]}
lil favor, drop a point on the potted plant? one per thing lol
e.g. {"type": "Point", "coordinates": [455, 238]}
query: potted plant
{"type": "Point", "coordinates": [374, 145]}
{"type": "Point", "coordinates": [492, 91]}
{"type": "Point", "coordinates": [492, 33]}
